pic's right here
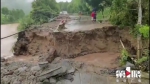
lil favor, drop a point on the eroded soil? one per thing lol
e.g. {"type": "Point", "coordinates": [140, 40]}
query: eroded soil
{"type": "Point", "coordinates": [90, 47]}
{"type": "Point", "coordinates": [73, 44]}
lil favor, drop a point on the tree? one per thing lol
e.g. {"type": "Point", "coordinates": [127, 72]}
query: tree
{"type": "Point", "coordinates": [43, 9]}
{"type": "Point", "coordinates": [99, 4]}
{"type": "Point", "coordinates": [11, 16]}
{"type": "Point", "coordinates": [17, 4]}
{"type": "Point", "coordinates": [125, 12]}
{"type": "Point", "coordinates": [78, 5]}
{"type": "Point", "coordinates": [63, 6]}
{"type": "Point", "coordinates": [139, 22]}
{"type": "Point", "coordinates": [5, 11]}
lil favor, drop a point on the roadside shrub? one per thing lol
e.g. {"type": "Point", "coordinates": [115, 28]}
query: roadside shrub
{"type": "Point", "coordinates": [124, 57]}
{"type": "Point", "coordinates": [25, 23]}
{"type": "Point", "coordinates": [143, 59]}
{"type": "Point", "coordinates": [144, 30]}
{"type": "Point", "coordinates": [143, 62]}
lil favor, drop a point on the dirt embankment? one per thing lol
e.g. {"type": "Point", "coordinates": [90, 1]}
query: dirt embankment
{"type": "Point", "coordinates": [73, 44]}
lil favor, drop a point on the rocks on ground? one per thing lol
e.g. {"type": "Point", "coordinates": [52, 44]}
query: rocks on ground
{"type": "Point", "coordinates": [26, 73]}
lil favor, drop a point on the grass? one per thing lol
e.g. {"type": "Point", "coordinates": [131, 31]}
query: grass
{"type": "Point", "coordinates": [106, 14]}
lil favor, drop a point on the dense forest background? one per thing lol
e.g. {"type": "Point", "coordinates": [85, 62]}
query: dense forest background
{"type": "Point", "coordinates": [119, 12]}
{"type": "Point", "coordinates": [25, 5]}
{"type": "Point", "coordinates": [11, 16]}
{"type": "Point", "coordinates": [12, 11]}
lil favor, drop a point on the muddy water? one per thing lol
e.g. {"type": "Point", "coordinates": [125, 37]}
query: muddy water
{"type": "Point", "coordinates": [7, 43]}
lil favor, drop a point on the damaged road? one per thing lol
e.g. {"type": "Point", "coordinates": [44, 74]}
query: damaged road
{"type": "Point", "coordinates": [62, 71]}
{"type": "Point", "coordinates": [74, 44]}
{"type": "Point", "coordinates": [85, 56]}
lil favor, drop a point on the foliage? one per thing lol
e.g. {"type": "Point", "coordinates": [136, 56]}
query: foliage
{"type": "Point", "coordinates": [125, 12]}
{"type": "Point", "coordinates": [11, 16]}
{"type": "Point", "coordinates": [97, 3]}
{"type": "Point", "coordinates": [124, 56]}
{"type": "Point", "coordinates": [121, 13]}
{"type": "Point", "coordinates": [106, 13]}
{"type": "Point", "coordinates": [43, 9]}
{"type": "Point", "coordinates": [144, 30]}
{"type": "Point", "coordinates": [145, 12]}
{"type": "Point", "coordinates": [135, 30]}
{"type": "Point", "coordinates": [63, 6]}
{"type": "Point", "coordinates": [143, 59]}
{"type": "Point", "coordinates": [17, 4]}
{"type": "Point", "coordinates": [5, 11]}
{"type": "Point", "coordinates": [143, 62]}
{"type": "Point", "coordinates": [25, 23]}
{"type": "Point", "coordinates": [141, 29]}
{"type": "Point", "coordinates": [88, 5]}
{"type": "Point", "coordinates": [78, 5]}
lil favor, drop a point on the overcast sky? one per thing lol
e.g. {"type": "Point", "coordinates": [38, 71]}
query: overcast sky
{"type": "Point", "coordinates": [56, 0]}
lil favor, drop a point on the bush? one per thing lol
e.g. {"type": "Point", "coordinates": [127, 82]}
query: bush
{"type": "Point", "coordinates": [125, 12]}
{"type": "Point", "coordinates": [43, 9]}
{"type": "Point", "coordinates": [106, 14]}
{"type": "Point", "coordinates": [124, 57]}
{"type": "Point", "coordinates": [25, 23]}
{"type": "Point", "coordinates": [143, 59]}
{"type": "Point", "coordinates": [143, 62]}
{"type": "Point", "coordinates": [144, 30]}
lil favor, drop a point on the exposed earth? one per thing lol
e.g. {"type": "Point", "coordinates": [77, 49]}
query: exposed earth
{"type": "Point", "coordinates": [84, 53]}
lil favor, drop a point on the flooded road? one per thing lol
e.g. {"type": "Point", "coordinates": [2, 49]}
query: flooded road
{"type": "Point", "coordinates": [76, 25]}
{"type": "Point", "coordinates": [7, 43]}
{"type": "Point", "coordinates": [83, 24]}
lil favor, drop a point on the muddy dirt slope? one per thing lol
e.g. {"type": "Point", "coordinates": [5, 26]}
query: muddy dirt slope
{"type": "Point", "coordinates": [73, 44]}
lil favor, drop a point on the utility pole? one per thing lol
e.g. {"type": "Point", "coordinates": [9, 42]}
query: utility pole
{"type": "Point", "coordinates": [139, 41]}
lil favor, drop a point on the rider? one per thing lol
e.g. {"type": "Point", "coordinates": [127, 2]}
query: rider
{"type": "Point", "coordinates": [94, 16]}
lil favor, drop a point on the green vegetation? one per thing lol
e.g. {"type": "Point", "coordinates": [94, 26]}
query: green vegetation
{"type": "Point", "coordinates": [106, 14]}
{"type": "Point", "coordinates": [78, 5]}
{"type": "Point", "coordinates": [25, 23]}
{"type": "Point", "coordinates": [63, 6]}
{"type": "Point", "coordinates": [143, 60]}
{"type": "Point", "coordinates": [11, 16]}
{"type": "Point", "coordinates": [17, 4]}
{"type": "Point", "coordinates": [124, 57]}
{"type": "Point", "coordinates": [42, 10]}
{"type": "Point", "coordinates": [144, 30]}
{"type": "Point", "coordinates": [125, 12]}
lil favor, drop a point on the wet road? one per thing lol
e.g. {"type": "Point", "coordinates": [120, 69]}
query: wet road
{"type": "Point", "coordinates": [91, 78]}
{"type": "Point", "coordinates": [7, 43]}
{"type": "Point", "coordinates": [84, 24]}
